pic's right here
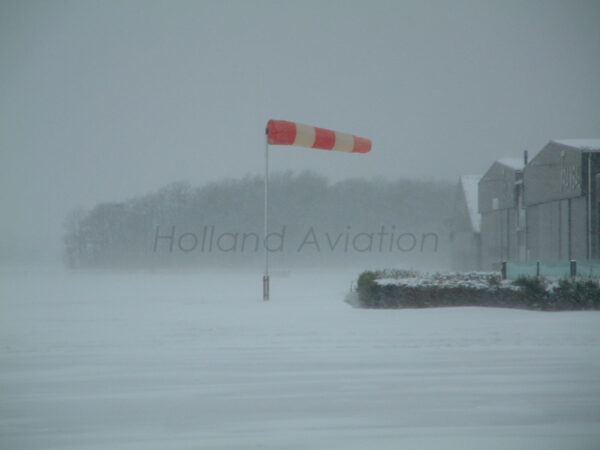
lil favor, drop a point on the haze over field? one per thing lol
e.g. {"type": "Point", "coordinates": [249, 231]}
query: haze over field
{"type": "Point", "coordinates": [103, 101]}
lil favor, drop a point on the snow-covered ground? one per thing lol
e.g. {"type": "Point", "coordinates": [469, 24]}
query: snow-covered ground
{"type": "Point", "coordinates": [192, 361]}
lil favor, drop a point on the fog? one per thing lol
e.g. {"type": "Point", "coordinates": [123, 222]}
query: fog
{"type": "Point", "coordinates": [107, 101]}
{"type": "Point", "coordinates": [132, 144]}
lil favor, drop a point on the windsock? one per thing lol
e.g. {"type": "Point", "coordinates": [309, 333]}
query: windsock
{"type": "Point", "coordinates": [282, 132]}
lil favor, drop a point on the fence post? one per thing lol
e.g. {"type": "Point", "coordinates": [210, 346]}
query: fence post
{"type": "Point", "coordinates": [573, 266]}
{"type": "Point", "coordinates": [503, 270]}
{"type": "Point", "coordinates": [537, 268]}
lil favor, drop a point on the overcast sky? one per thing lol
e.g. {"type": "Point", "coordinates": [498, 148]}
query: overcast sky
{"type": "Point", "coordinates": [102, 101]}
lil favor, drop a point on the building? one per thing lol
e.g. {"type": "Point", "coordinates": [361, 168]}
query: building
{"type": "Point", "coordinates": [466, 225]}
{"type": "Point", "coordinates": [500, 204]}
{"type": "Point", "coordinates": [562, 195]}
{"type": "Point", "coordinates": [547, 209]}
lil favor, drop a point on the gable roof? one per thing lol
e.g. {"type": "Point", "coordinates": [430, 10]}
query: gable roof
{"type": "Point", "coordinates": [512, 163]}
{"type": "Point", "coordinates": [580, 144]}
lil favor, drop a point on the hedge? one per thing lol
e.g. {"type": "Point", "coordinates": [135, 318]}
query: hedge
{"type": "Point", "coordinates": [409, 290]}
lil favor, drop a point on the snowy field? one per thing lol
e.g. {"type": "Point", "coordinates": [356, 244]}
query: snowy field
{"type": "Point", "coordinates": [193, 361]}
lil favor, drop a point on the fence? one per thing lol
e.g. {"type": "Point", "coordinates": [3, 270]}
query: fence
{"type": "Point", "coordinates": [512, 270]}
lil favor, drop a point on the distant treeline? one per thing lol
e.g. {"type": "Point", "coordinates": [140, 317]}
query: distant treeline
{"type": "Point", "coordinates": [311, 221]}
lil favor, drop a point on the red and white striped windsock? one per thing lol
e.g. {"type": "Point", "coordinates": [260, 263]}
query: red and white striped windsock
{"type": "Point", "coordinates": [282, 132]}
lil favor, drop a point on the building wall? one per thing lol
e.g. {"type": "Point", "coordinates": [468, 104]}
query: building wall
{"type": "Point", "coordinates": [501, 238]}
{"type": "Point", "coordinates": [516, 247]}
{"type": "Point", "coordinates": [579, 228]}
{"type": "Point", "coordinates": [564, 246]}
{"type": "Point", "coordinates": [556, 190]}
{"type": "Point", "coordinates": [547, 228]}
{"type": "Point", "coordinates": [557, 230]}
{"type": "Point", "coordinates": [494, 238]}
{"type": "Point", "coordinates": [554, 174]}
{"type": "Point", "coordinates": [532, 233]}
{"type": "Point", "coordinates": [502, 219]}
{"type": "Point", "coordinates": [497, 188]}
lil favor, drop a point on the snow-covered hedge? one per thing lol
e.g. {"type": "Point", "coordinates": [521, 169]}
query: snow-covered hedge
{"type": "Point", "coordinates": [409, 289]}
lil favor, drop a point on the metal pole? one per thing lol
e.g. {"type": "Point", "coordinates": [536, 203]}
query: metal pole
{"type": "Point", "coordinates": [589, 206]}
{"type": "Point", "coordinates": [266, 230]}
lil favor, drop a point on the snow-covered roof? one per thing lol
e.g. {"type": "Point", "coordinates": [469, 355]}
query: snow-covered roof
{"type": "Point", "coordinates": [513, 163]}
{"type": "Point", "coordinates": [470, 187]}
{"type": "Point", "coordinates": [581, 144]}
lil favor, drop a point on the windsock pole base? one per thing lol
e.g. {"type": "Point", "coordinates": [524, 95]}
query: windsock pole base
{"type": "Point", "coordinates": [266, 288]}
